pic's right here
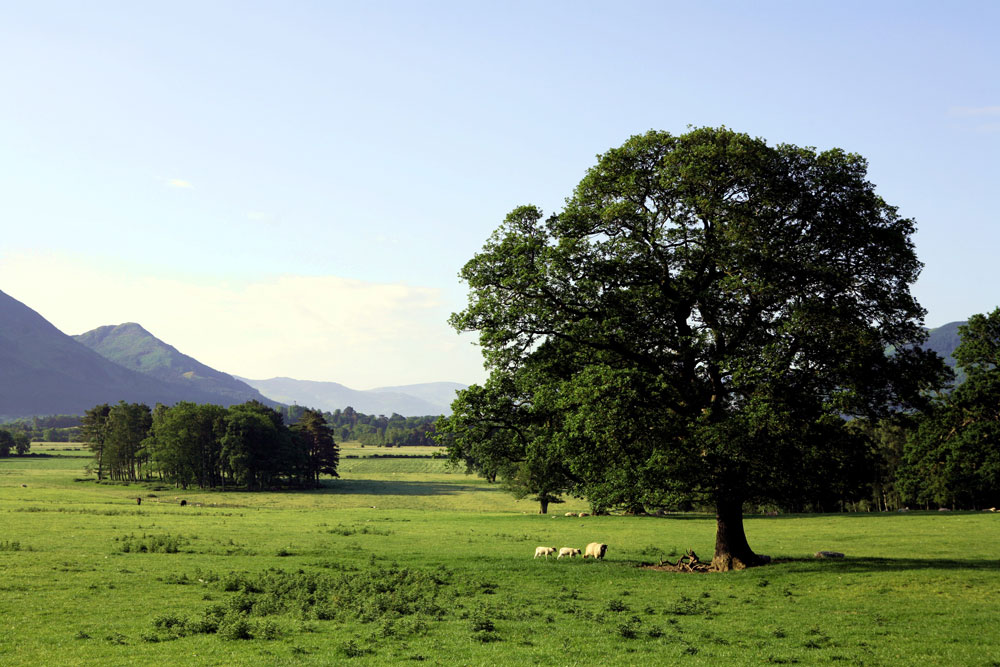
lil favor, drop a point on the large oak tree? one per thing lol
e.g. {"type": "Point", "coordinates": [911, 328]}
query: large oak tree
{"type": "Point", "coordinates": [697, 322]}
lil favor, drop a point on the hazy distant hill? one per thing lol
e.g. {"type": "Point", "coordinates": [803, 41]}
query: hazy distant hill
{"type": "Point", "coordinates": [44, 371]}
{"type": "Point", "coordinates": [409, 400]}
{"type": "Point", "coordinates": [944, 340]}
{"type": "Point", "coordinates": [438, 393]}
{"type": "Point", "coordinates": [135, 348]}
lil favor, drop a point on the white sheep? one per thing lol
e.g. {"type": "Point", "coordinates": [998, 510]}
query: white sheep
{"type": "Point", "coordinates": [596, 549]}
{"type": "Point", "coordinates": [568, 551]}
{"type": "Point", "coordinates": [570, 513]}
{"type": "Point", "coordinates": [544, 551]}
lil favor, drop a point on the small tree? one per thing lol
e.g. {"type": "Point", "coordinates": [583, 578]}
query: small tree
{"type": "Point", "coordinates": [6, 442]}
{"type": "Point", "coordinates": [22, 443]}
{"type": "Point", "coordinates": [317, 436]}
{"type": "Point", "coordinates": [503, 430]}
{"type": "Point", "coordinates": [93, 430]}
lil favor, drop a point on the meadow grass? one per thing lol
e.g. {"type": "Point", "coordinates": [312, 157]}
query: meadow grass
{"type": "Point", "coordinates": [406, 561]}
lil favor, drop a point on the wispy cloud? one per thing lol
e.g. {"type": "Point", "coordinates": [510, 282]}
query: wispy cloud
{"type": "Point", "coordinates": [974, 111]}
{"type": "Point", "coordinates": [178, 183]}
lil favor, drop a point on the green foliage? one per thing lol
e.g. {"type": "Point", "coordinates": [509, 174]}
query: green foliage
{"type": "Point", "coordinates": [166, 544]}
{"type": "Point", "coordinates": [692, 327]}
{"type": "Point", "coordinates": [316, 441]}
{"type": "Point", "coordinates": [953, 457]}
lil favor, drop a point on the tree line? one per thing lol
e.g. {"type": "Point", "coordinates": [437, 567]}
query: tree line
{"type": "Point", "coordinates": [245, 446]}
{"type": "Point", "coordinates": [382, 431]}
{"type": "Point", "coordinates": [348, 425]}
{"type": "Point", "coordinates": [51, 428]}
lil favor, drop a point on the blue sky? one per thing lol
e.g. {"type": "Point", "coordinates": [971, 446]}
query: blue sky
{"type": "Point", "coordinates": [290, 188]}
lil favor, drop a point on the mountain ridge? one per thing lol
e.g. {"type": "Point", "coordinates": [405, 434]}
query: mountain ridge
{"type": "Point", "coordinates": [44, 371]}
{"type": "Point", "coordinates": [132, 346]}
{"type": "Point", "coordinates": [429, 398]}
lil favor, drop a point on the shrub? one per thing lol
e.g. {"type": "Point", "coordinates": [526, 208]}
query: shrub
{"type": "Point", "coordinates": [166, 543]}
{"type": "Point", "coordinates": [351, 649]}
{"type": "Point", "coordinates": [617, 606]}
{"type": "Point", "coordinates": [234, 626]}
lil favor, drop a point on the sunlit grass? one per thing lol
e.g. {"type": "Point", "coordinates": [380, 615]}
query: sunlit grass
{"type": "Point", "coordinates": [90, 577]}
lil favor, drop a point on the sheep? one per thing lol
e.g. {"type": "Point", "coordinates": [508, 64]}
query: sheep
{"type": "Point", "coordinates": [568, 551]}
{"type": "Point", "coordinates": [596, 549]}
{"type": "Point", "coordinates": [183, 503]}
{"type": "Point", "coordinates": [570, 513]}
{"type": "Point", "coordinates": [138, 501]}
{"type": "Point", "coordinates": [544, 551]}
{"type": "Point", "coordinates": [582, 514]}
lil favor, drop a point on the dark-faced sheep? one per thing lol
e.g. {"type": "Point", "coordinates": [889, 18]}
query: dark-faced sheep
{"type": "Point", "coordinates": [596, 550]}
{"type": "Point", "coordinates": [544, 551]}
{"type": "Point", "coordinates": [138, 501]}
{"type": "Point", "coordinates": [183, 503]}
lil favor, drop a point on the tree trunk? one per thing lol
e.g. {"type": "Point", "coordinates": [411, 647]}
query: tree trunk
{"type": "Point", "coordinates": [544, 506]}
{"type": "Point", "coordinates": [732, 552]}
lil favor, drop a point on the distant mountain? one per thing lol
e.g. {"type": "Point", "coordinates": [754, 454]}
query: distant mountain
{"type": "Point", "coordinates": [43, 371]}
{"type": "Point", "coordinates": [438, 393]}
{"type": "Point", "coordinates": [409, 400]}
{"type": "Point", "coordinates": [944, 340]}
{"type": "Point", "coordinates": [135, 348]}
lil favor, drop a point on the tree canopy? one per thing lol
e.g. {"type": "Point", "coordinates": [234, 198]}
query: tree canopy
{"type": "Point", "coordinates": [953, 456]}
{"type": "Point", "coordinates": [695, 324]}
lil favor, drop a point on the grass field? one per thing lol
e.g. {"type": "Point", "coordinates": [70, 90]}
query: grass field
{"type": "Point", "coordinates": [404, 561]}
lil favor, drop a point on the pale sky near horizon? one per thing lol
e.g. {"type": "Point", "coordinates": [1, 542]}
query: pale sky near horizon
{"type": "Point", "coordinates": [290, 188]}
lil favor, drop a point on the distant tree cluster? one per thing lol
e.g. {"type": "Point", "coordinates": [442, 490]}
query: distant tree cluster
{"type": "Point", "coordinates": [371, 430]}
{"type": "Point", "coordinates": [52, 428]}
{"type": "Point", "coordinates": [14, 441]}
{"type": "Point", "coordinates": [247, 446]}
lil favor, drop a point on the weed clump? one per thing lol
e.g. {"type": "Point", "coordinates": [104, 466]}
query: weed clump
{"type": "Point", "coordinates": [166, 543]}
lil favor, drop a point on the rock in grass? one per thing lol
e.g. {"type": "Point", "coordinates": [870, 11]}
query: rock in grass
{"type": "Point", "coordinates": [828, 554]}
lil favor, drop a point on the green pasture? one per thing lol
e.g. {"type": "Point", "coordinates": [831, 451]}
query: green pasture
{"type": "Point", "coordinates": [403, 561]}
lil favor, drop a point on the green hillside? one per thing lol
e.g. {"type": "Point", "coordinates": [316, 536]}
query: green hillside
{"type": "Point", "coordinates": [133, 347]}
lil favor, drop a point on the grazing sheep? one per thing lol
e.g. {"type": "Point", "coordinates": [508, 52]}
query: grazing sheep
{"type": "Point", "coordinates": [183, 503]}
{"type": "Point", "coordinates": [596, 549]}
{"type": "Point", "coordinates": [568, 551]}
{"type": "Point", "coordinates": [570, 513]}
{"type": "Point", "coordinates": [138, 501]}
{"type": "Point", "coordinates": [582, 514]}
{"type": "Point", "coordinates": [544, 551]}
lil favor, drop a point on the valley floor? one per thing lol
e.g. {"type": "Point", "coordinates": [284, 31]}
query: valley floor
{"type": "Point", "coordinates": [405, 561]}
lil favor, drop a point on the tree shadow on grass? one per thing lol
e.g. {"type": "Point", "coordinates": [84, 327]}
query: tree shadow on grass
{"type": "Point", "coordinates": [881, 565]}
{"type": "Point", "coordinates": [392, 488]}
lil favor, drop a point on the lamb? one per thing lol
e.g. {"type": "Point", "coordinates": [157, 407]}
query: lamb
{"type": "Point", "coordinates": [544, 551]}
{"type": "Point", "coordinates": [596, 549]}
{"type": "Point", "coordinates": [568, 551]}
